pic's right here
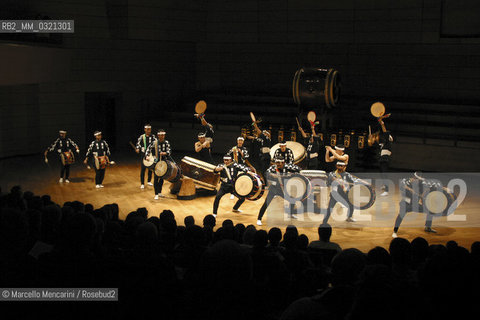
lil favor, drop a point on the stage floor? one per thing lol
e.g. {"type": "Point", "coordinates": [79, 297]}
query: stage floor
{"type": "Point", "coordinates": [373, 227]}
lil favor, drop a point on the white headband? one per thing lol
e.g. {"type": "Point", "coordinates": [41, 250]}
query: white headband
{"type": "Point", "coordinates": [161, 132]}
{"type": "Point", "coordinates": [147, 127]}
{"type": "Point", "coordinates": [283, 144]}
{"type": "Point", "coordinates": [340, 163]}
{"type": "Point", "coordinates": [62, 131]}
{"type": "Point", "coordinates": [240, 138]}
{"type": "Point", "coordinates": [97, 133]}
{"type": "Point", "coordinates": [200, 135]}
{"type": "Point", "coordinates": [338, 148]}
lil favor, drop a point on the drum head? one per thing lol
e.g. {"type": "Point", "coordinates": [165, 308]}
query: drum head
{"type": "Point", "coordinates": [311, 116]}
{"type": "Point", "coordinates": [436, 202]}
{"type": "Point", "coordinates": [361, 196]}
{"type": "Point", "coordinates": [161, 168]}
{"type": "Point", "coordinates": [147, 162]}
{"type": "Point", "coordinates": [201, 106]}
{"type": "Point", "coordinates": [296, 187]}
{"type": "Point", "coordinates": [377, 109]}
{"type": "Point", "coordinates": [244, 185]}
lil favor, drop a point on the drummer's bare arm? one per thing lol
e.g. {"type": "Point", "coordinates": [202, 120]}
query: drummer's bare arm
{"type": "Point", "coordinates": [198, 147]}
{"type": "Point", "coordinates": [218, 168]}
{"type": "Point", "coordinates": [302, 132]}
{"type": "Point", "coordinates": [328, 158]}
{"type": "Point", "coordinates": [343, 157]}
{"type": "Point", "coordinates": [257, 129]}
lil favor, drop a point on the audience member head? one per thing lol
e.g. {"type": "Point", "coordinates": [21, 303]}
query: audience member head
{"type": "Point", "coordinates": [209, 221]}
{"type": "Point", "coordinates": [379, 255]}
{"type": "Point", "coordinates": [346, 266]}
{"type": "Point", "coordinates": [302, 242]}
{"type": "Point", "coordinates": [325, 232]}
{"type": "Point", "coordinates": [274, 236]}
{"type": "Point", "coordinates": [400, 251]}
{"type": "Point", "coordinates": [260, 239]}
{"type": "Point", "coordinates": [189, 221]}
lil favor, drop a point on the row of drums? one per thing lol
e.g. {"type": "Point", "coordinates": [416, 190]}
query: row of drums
{"type": "Point", "coordinates": [251, 186]}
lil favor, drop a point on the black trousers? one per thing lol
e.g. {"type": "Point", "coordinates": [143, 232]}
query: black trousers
{"type": "Point", "coordinates": [264, 164]}
{"type": "Point", "coordinates": [405, 208]}
{"type": "Point", "coordinates": [142, 173]}
{"type": "Point", "coordinates": [342, 196]}
{"type": "Point", "coordinates": [384, 164]}
{"type": "Point", "coordinates": [224, 189]}
{"type": "Point", "coordinates": [157, 184]}
{"type": "Point", "coordinates": [65, 170]}
{"type": "Point", "coordinates": [272, 192]}
{"type": "Point", "coordinates": [312, 164]}
{"type": "Point", "coordinates": [99, 175]}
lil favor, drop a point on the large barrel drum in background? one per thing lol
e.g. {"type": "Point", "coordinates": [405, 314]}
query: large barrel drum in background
{"type": "Point", "coordinates": [316, 87]}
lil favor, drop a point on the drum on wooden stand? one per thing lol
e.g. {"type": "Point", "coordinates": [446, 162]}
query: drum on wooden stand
{"type": "Point", "coordinates": [149, 162]}
{"type": "Point", "coordinates": [249, 185]}
{"type": "Point", "coordinates": [297, 187]}
{"type": "Point", "coordinates": [101, 162]}
{"type": "Point", "coordinates": [318, 180]}
{"type": "Point", "coordinates": [67, 158]}
{"type": "Point", "coordinates": [299, 152]}
{"type": "Point", "coordinates": [438, 201]}
{"type": "Point", "coordinates": [168, 170]}
{"type": "Point", "coordinates": [202, 173]}
{"type": "Point", "coordinates": [361, 196]}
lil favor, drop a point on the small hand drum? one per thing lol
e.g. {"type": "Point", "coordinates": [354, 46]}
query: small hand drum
{"type": "Point", "coordinates": [311, 116]}
{"type": "Point", "coordinates": [149, 162]}
{"type": "Point", "coordinates": [200, 107]}
{"type": "Point", "coordinates": [377, 109]}
{"type": "Point", "coordinates": [438, 202]}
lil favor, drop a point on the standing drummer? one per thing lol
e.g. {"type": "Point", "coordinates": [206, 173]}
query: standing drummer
{"type": "Point", "coordinates": [313, 148]}
{"type": "Point", "coordinates": [160, 149]}
{"type": "Point", "coordinates": [98, 148]}
{"type": "Point", "coordinates": [239, 153]}
{"type": "Point", "coordinates": [284, 152]}
{"type": "Point", "coordinates": [264, 142]}
{"type": "Point", "coordinates": [275, 174]}
{"type": "Point", "coordinates": [63, 144]}
{"type": "Point", "coordinates": [340, 182]}
{"type": "Point", "coordinates": [203, 147]}
{"type": "Point", "coordinates": [411, 190]}
{"type": "Point", "coordinates": [337, 154]}
{"type": "Point", "coordinates": [228, 173]}
{"type": "Point", "coordinates": [142, 144]}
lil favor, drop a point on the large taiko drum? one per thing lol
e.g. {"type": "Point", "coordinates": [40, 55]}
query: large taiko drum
{"type": "Point", "coordinates": [438, 201]}
{"type": "Point", "coordinates": [149, 162]}
{"type": "Point", "coordinates": [316, 87]}
{"type": "Point", "coordinates": [299, 152]}
{"type": "Point", "coordinates": [361, 196]}
{"type": "Point", "coordinates": [168, 170]}
{"type": "Point", "coordinates": [297, 187]}
{"type": "Point", "coordinates": [202, 173]}
{"type": "Point", "coordinates": [318, 180]}
{"type": "Point", "coordinates": [67, 158]}
{"type": "Point", "coordinates": [249, 185]}
{"type": "Point", "coordinates": [101, 162]}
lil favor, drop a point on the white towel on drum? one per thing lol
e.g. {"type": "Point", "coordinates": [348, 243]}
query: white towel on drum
{"type": "Point", "coordinates": [265, 150]}
{"type": "Point", "coordinates": [313, 155]}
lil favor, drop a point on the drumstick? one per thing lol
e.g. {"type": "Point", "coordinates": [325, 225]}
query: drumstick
{"type": "Point", "coordinates": [298, 122]}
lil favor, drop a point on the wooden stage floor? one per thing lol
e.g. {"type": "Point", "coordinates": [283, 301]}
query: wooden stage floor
{"type": "Point", "coordinates": [122, 186]}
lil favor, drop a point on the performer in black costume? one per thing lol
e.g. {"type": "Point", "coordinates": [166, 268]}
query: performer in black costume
{"type": "Point", "coordinates": [340, 182]}
{"type": "Point", "coordinates": [228, 173]}
{"type": "Point", "coordinates": [160, 149]}
{"type": "Point", "coordinates": [276, 175]}
{"type": "Point", "coordinates": [264, 143]}
{"type": "Point", "coordinates": [97, 148]}
{"type": "Point", "coordinates": [143, 142]}
{"type": "Point", "coordinates": [61, 145]}
{"type": "Point", "coordinates": [239, 153]}
{"type": "Point", "coordinates": [385, 143]}
{"type": "Point", "coordinates": [203, 147]}
{"type": "Point", "coordinates": [312, 145]}
{"type": "Point", "coordinates": [411, 190]}
{"type": "Point", "coordinates": [285, 153]}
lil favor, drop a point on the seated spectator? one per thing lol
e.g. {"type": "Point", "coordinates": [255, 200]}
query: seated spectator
{"type": "Point", "coordinates": [324, 234]}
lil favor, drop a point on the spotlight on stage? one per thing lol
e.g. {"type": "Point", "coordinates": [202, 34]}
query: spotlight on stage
{"type": "Point", "coordinates": [316, 87]}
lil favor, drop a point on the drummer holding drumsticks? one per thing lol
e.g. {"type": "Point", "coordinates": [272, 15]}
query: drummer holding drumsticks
{"type": "Point", "coordinates": [285, 153]}
{"type": "Point", "coordinates": [62, 144]}
{"type": "Point", "coordinates": [98, 148]}
{"type": "Point", "coordinates": [313, 148]}
{"type": "Point", "coordinates": [337, 154]}
{"type": "Point", "coordinates": [228, 173]}
{"type": "Point", "coordinates": [142, 144]}
{"type": "Point", "coordinates": [160, 149]}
